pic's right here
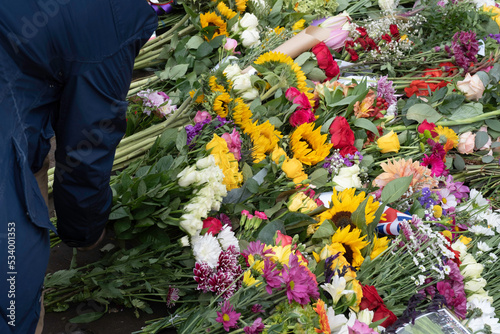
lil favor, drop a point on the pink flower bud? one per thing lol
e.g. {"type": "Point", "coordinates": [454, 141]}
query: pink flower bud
{"type": "Point", "coordinates": [231, 44]}
{"type": "Point", "coordinates": [466, 142]}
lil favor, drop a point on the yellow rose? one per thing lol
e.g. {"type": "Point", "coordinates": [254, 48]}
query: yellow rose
{"type": "Point", "coordinates": [301, 202]}
{"type": "Point", "coordinates": [388, 143]}
{"type": "Point", "coordinates": [294, 170]}
{"type": "Point", "coordinates": [277, 153]}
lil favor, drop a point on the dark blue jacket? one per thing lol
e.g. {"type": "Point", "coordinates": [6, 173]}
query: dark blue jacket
{"type": "Point", "coordinates": [65, 69]}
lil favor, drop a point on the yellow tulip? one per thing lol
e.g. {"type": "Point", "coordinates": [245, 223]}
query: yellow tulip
{"type": "Point", "coordinates": [389, 143]}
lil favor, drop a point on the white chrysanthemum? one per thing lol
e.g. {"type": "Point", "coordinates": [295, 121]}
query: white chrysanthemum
{"type": "Point", "coordinates": [478, 198]}
{"type": "Point", "coordinates": [207, 249]}
{"type": "Point", "coordinates": [483, 246]}
{"type": "Point", "coordinates": [483, 305]}
{"type": "Point", "coordinates": [226, 238]}
{"type": "Point", "coordinates": [481, 230]}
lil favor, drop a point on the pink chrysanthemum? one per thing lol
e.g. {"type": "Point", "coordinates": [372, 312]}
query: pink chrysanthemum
{"type": "Point", "coordinates": [228, 317]}
{"type": "Point", "coordinates": [272, 276]}
{"type": "Point", "coordinates": [299, 285]}
{"type": "Point", "coordinates": [202, 273]}
{"type": "Point", "coordinates": [256, 328]}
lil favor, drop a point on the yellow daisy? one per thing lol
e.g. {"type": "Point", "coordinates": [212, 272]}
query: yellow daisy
{"type": "Point", "coordinates": [350, 243]}
{"type": "Point", "coordinates": [278, 30]}
{"type": "Point", "coordinates": [446, 136]}
{"type": "Point", "coordinates": [212, 19]}
{"type": "Point", "coordinates": [309, 146]}
{"type": "Point", "coordinates": [226, 11]}
{"type": "Point", "coordinates": [221, 104]}
{"type": "Point", "coordinates": [379, 245]}
{"type": "Point", "coordinates": [248, 279]}
{"type": "Point", "coordinates": [281, 254]}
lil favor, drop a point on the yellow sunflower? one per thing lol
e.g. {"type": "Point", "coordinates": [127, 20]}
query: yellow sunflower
{"type": "Point", "coordinates": [199, 98]}
{"type": "Point", "coordinates": [446, 136]}
{"type": "Point", "coordinates": [226, 11]}
{"type": "Point", "coordinates": [350, 243]}
{"type": "Point", "coordinates": [273, 59]}
{"type": "Point", "coordinates": [214, 86]}
{"type": "Point", "coordinates": [379, 245]}
{"type": "Point", "coordinates": [226, 161]}
{"type": "Point", "coordinates": [241, 5]}
{"type": "Point", "coordinates": [242, 115]}
{"type": "Point", "coordinates": [309, 146]}
{"type": "Point", "coordinates": [264, 139]}
{"type": "Point", "coordinates": [212, 19]}
{"type": "Point", "coordinates": [221, 103]}
{"type": "Point", "coordinates": [343, 204]}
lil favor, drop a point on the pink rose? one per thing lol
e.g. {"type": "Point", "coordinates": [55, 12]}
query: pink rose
{"type": "Point", "coordinates": [486, 146]}
{"type": "Point", "coordinates": [297, 97]}
{"type": "Point", "coordinates": [283, 239]}
{"type": "Point", "coordinates": [201, 116]}
{"type": "Point", "coordinates": [472, 87]}
{"type": "Point", "coordinates": [231, 44]}
{"type": "Point", "coordinates": [301, 116]}
{"type": "Point", "coordinates": [466, 142]}
{"type": "Point", "coordinates": [233, 143]}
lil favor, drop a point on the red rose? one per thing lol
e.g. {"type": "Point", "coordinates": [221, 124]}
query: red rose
{"type": "Point", "coordinates": [371, 299]}
{"type": "Point", "coordinates": [212, 224]}
{"type": "Point", "coordinates": [325, 60]}
{"type": "Point", "coordinates": [387, 38]}
{"type": "Point", "coordinates": [381, 312]}
{"type": "Point", "coordinates": [427, 126]}
{"type": "Point", "coordinates": [297, 97]}
{"type": "Point", "coordinates": [301, 116]}
{"type": "Point", "coordinates": [342, 135]}
{"type": "Point", "coordinates": [348, 150]}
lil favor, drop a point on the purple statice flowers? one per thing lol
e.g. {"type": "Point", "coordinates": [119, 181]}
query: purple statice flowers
{"type": "Point", "coordinates": [465, 48]}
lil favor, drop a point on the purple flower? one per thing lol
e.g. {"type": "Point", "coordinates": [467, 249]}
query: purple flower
{"type": "Point", "coordinates": [299, 285]}
{"type": "Point", "coordinates": [202, 273]}
{"type": "Point", "coordinates": [272, 276]}
{"type": "Point", "coordinates": [194, 130]}
{"type": "Point", "coordinates": [457, 188]}
{"type": "Point", "coordinates": [225, 220]}
{"type": "Point", "coordinates": [222, 121]}
{"type": "Point", "coordinates": [172, 296]}
{"type": "Point", "coordinates": [426, 199]}
{"type": "Point", "coordinates": [465, 48]}
{"type": "Point", "coordinates": [496, 37]}
{"type": "Point", "coordinates": [385, 89]}
{"type": "Point", "coordinates": [228, 317]}
{"type": "Point", "coordinates": [257, 327]}
{"type": "Point", "coordinates": [257, 248]}
{"type": "Point", "coordinates": [257, 308]}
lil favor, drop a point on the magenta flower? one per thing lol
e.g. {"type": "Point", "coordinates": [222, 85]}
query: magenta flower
{"type": "Point", "coordinates": [457, 188]}
{"type": "Point", "coordinates": [233, 143]}
{"type": "Point", "coordinates": [256, 248]}
{"type": "Point", "coordinates": [271, 276]}
{"type": "Point", "coordinates": [257, 308]}
{"type": "Point", "coordinates": [257, 327]}
{"type": "Point", "coordinates": [299, 285]}
{"type": "Point", "coordinates": [202, 273]}
{"type": "Point", "coordinates": [201, 116]}
{"type": "Point", "coordinates": [435, 163]}
{"type": "Point", "coordinates": [360, 328]}
{"type": "Point", "coordinates": [297, 97]}
{"type": "Point", "coordinates": [228, 317]}
{"type": "Point", "coordinates": [260, 215]}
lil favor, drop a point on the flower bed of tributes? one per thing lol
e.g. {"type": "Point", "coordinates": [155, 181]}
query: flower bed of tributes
{"type": "Point", "coordinates": [316, 166]}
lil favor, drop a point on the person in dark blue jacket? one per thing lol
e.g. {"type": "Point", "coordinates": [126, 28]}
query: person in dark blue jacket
{"type": "Point", "coordinates": [65, 69]}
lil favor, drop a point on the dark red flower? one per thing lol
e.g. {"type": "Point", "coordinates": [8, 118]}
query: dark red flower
{"type": "Point", "coordinates": [325, 60]}
{"type": "Point", "coordinates": [342, 135]}
{"type": "Point", "coordinates": [301, 116]}
{"type": "Point", "coordinates": [371, 299]}
{"type": "Point", "coordinates": [351, 149]}
{"type": "Point", "coordinates": [381, 313]}
{"type": "Point", "coordinates": [387, 38]}
{"type": "Point", "coordinates": [212, 224]}
{"type": "Point", "coordinates": [394, 31]}
{"type": "Point", "coordinates": [362, 31]}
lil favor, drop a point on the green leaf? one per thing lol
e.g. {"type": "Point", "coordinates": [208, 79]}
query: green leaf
{"type": "Point", "coordinates": [395, 189]}
{"type": "Point", "coordinates": [467, 111]}
{"type": "Point", "coordinates": [481, 139]}
{"type": "Point", "coordinates": [142, 189]}
{"type": "Point", "coordinates": [122, 225]}
{"type": "Point", "coordinates": [366, 124]}
{"type": "Point", "coordinates": [252, 186]}
{"type": "Point", "coordinates": [451, 103]}
{"type": "Point", "coordinates": [319, 177]}
{"type": "Point", "coordinates": [266, 235]}
{"type": "Point", "coordinates": [484, 77]}
{"type": "Point", "coordinates": [300, 60]}
{"type": "Point", "coordinates": [60, 278]}
{"type": "Point", "coordinates": [325, 230]}
{"type": "Point", "coordinates": [178, 71]}
{"type": "Point", "coordinates": [271, 211]}
{"type": "Point", "coordinates": [420, 112]}
{"type": "Point", "coordinates": [459, 162]}
{"type": "Point", "coordinates": [487, 159]}
{"type": "Point", "coordinates": [181, 140]}
{"type": "Point", "coordinates": [247, 172]}
{"type": "Point", "coordinates": [358, 217]}
{"type": "Point", "coordinates": [316, 74]}
{"type": "Point", "coordinates": [204, 50]}
{"type": "Point", "coordinates": [121, 212]}
{"type": "Point", "coordinates": [493, 124]}
{"type": "Point", "coordinates": [194, 42]}
{"type": "Point", "coordinates": [85, 318]}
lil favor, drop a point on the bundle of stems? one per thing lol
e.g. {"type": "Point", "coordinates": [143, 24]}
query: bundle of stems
{"type": "Point", "coordinates": [135, 146]}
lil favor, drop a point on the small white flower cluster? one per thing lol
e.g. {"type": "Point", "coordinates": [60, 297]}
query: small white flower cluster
{"type": "Point", "coordinates": [208, 177]}
{"type": "Point", "coordinates": [247, 29]}
{"type": "Point", "coordinates": [482, 219]}
{"type": "Point", "coordinates": [242, 84]}
{"type": "Point", "coordinates": [207, 248]}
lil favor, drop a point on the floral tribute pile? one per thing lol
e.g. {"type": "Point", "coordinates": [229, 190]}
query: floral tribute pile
{"type": "Point", "coordinates": [331, 167]}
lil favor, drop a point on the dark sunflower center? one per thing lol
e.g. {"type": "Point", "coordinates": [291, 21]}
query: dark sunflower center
{"type": "Point", "coordinates": [349, 255]}
{"type": "Point", "coordinates": [342, 219]}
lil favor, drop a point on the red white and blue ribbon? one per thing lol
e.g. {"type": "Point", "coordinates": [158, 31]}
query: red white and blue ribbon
{"type": "Point", "coordinates": [392, 223]}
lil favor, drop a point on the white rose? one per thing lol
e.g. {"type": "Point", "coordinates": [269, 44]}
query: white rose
{"type": "Point", "coordinates": [250, 94]}
{"type": "Point", "coordinates": [365, 316]}
{"type": "Point", "coordinates": [249, 21]}
{"type": "Point", "coordinates": [348, 177]}
{"type": "Point", "coordinates": [474, 285]}
{"type": "Point", "coordinates": [242, 82]}
{"type": "Point", "coordinates": [205, 162]}
{"type": "Point", "coordinates": [191, 224]}
{"type": "Point", "coordinates": [471, 86]}
{"type": "Point", "coordinates": [188, 176]}
{"type": "Point", "coordinates": [459, 247]}
{"type": "Point", "coordinates": [184, 241]}
{"type": "Point", "coordinates": [231, 71]}
{"type": "Point", "coordinates": [250, 38]}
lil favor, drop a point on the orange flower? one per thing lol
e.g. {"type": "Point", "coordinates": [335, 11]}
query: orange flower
{"type": "Point", "coordinates": [323, 318]}
{"type": "Point", "coordinates": [365, 108]}
{"type": "Point", "coordinates": [399, 168]}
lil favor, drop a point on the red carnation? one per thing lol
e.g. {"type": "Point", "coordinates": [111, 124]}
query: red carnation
{"type": "Point", "coordinates": [387, 38]}
{"type": "Point", "coordinates": [342, 135]}
{"type": "Point", "coordinates": [427, 126]}
{"type": "Point", "coordinates": [372, 301]}
{"type": "Point", "coordinates": [325, 60]}
{"type": "Point", "coordinates": [394, 31]}
{"type": "Point", "coordinates": [212, 224]}
{"type": "Point", "coordinates": [351, 149]}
